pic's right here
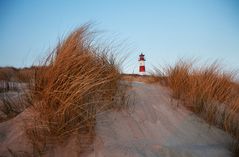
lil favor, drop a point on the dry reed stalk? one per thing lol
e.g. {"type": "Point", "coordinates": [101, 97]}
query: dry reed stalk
{"type": "Point", "coordinates": [76, 81]}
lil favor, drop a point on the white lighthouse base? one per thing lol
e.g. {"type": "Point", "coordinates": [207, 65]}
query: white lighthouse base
{"type": "Point", "coordinates": [142, 73]}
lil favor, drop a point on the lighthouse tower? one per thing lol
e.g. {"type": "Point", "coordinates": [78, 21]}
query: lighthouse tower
{"type": "Point", "coordinates": [141, 64]}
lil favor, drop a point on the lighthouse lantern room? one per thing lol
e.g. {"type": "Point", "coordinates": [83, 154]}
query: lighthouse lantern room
{"type": "Point", "coordinates": [141, 64]}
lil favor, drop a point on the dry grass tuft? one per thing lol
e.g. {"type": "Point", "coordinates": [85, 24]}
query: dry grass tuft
{"type": "Point", "coordinates": [77, 81]}
{"type": "Point", "coordinates": [209, 92]}
{"type": "Point", "coordinates": [141, 78]}
{"type": "Point", "coordinates": [12, 74]}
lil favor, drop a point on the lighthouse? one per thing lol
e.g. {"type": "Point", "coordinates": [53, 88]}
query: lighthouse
{"type": "Point", "coordinates": [141, 64]}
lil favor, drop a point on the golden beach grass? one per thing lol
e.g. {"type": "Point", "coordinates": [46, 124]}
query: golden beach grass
{"type": "Point", "coordinates": [77, 81]}
{"type": "Point", "coordinates": [208, 91]}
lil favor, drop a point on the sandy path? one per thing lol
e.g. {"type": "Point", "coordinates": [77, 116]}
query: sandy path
{"type": "Point", "coordinates": [155, 127]}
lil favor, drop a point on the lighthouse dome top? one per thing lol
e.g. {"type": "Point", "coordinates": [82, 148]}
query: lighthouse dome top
{"type": "Point", "coordinates": [141, 54]}
{"type": "Point", "coordinates": [141, 57]}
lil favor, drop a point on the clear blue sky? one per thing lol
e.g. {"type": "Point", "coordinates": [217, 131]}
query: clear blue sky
{"type": "Point", "coordinates": [162, 29]}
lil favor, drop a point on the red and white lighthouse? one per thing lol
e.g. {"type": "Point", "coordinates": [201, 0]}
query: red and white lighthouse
{"type": "Point", "coordinates": [141, 64]}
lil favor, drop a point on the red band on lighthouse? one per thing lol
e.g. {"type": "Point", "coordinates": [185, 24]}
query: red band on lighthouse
{"type": "Point", "coordinates": [141, 68]}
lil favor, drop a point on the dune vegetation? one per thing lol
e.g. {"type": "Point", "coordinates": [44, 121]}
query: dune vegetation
{"type": "Point", "coordinates": [77, 81]}
{"type": "Point", "coordinates": [208, 91]}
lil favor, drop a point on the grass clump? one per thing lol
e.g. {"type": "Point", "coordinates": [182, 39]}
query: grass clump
{"type": "Point", "coordinates": [140, 78]}
{"type": "Point", "coordinates": [77, 81]}
{"type": "Point", "coordinates": [208, 91]}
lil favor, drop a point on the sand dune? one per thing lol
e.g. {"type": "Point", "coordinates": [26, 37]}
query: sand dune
{"type": "Point", "coordinates": [152, 126]}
